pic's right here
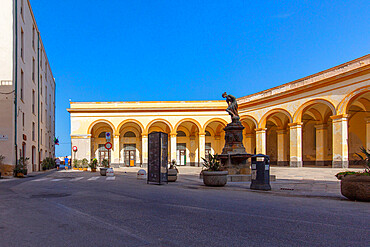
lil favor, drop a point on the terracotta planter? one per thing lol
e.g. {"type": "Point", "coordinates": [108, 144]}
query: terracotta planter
{"type": "Point", "coordinates": [103, 171]}
{"type": "Point", "coordinates": [85, 169]}
{"type": "Point", "coordinates": [172, 175]}
{"type": "Point", "coordinates": [75, 168]}
{"type": "Point", "coordinates": [215, 178]}
{"type": "Point", "coordinates": [356, 187]}
{"type": "Point", "coordinates": [81, 169]}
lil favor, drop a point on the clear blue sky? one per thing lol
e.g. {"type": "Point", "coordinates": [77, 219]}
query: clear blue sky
{"type": "Point", "coordinates": [191, 50]}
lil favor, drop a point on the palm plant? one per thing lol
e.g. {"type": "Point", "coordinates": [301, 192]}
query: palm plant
{"type": "Point", "coordinates": [212, 163]}
{"type": "Point", "coordinates": [366, 159]}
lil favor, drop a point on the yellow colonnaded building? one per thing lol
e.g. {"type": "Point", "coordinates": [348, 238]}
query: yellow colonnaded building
{"type": "Point", "coordinates": [320, 120]}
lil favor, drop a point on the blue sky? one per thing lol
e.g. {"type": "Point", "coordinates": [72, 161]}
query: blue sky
{"type": "Point", "coordinates": [191, 50]}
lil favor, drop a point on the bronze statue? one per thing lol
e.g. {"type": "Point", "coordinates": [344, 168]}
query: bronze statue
{"type": "Point", "coordinates": [232, 108]}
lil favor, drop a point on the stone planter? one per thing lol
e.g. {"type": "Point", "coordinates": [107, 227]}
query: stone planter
{"type": "Point", "coordinates": [215, 178]}
{"type": "Point", "coordinates": [356, 187]}
{"type": "Point", "coordinates": [103, 171]}
{"type": "Point", "coordinates": [172, 175]}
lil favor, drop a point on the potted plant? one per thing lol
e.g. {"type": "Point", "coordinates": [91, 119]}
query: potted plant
{"type": "Point", "coordinates": [75, 164]}
{"type": "Point", "coordinates": [20, 169]}
{"type": "Point", "coordinates": [93, 165]}
{"type": "Point", "coordinates": [85, 163]}
{"type": "Point", "coordinates": [172, 171]}
{"type": "Point", "coordinates": [356, 185]}
{"type": "Point", "coordinates": [213, 174]}
{"type": "Point", "coordinates": [105, 166]}
{"type": "Point", "coordinates": [79, 162]}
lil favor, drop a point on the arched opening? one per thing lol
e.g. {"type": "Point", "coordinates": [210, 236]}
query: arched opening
{"type": "Point", "coordinates": [130, 144]}
{"type": "Point", "coordinates": [317, 135]}
{"type": "Point", "coordinates": [162, 126]}
{"type": "Point", "coordinates": [277, 138]}
{"type": "Point", "coordinates": [249, 135]}
{"type": "Point", "coordinates": [358, 128]}
{"type": "Point", "coordinates": [215, 137]}
{"type": "Point", "coordinates": [187, 144]}
{"type": "Point", "coordinates": [98, 140]}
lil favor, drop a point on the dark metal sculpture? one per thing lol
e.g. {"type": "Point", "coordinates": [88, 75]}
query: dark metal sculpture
{"type": "Point", "coordinates": [232, 108]}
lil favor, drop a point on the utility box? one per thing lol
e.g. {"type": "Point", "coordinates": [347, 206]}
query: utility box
{"type": "Point", "coordinates": [157, 157]}
{"type": "Point", "coordinates": [260, 175]}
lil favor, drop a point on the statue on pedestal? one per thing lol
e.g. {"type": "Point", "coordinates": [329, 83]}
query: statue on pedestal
{"type": "Point", "coordinates": [232, 108]}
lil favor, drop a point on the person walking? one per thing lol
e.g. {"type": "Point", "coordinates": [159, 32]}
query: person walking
{"type": "Point", "coordinates": [57, 162]}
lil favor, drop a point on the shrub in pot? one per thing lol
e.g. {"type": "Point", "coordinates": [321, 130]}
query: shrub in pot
{"type": "Point", "coordinates": [356, 185]}
{"type": "Point", "coordinates": [20, 169]}
{"type": "Point", "coordinates": [48, 163]}
{"type": "Point", "coordinates": [85, 163]}
{"type": "Point", "coordinates": [75, 164]}
{"type": "Point", "coordinates": [105, 166]}
{"type": "Point", "coordinates": [172, 171]}
{"type": "Point", "coordinates": [213, 174]}
{"type": "Point", "coordinates": [93, 165]}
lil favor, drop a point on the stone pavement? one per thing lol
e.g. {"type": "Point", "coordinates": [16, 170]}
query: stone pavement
{"type": "Point", "coordinates": [290, 181]}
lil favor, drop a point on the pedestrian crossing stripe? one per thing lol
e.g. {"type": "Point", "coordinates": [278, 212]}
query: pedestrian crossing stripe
{"type": "Point", "coordinates": [93, 178]}
{"type": "Point", "coordinates": [76, 179]}
{"type": "Point", "coordinates": [57, 179]}
{"type": "Point", "coordinates": [73, 179]}
{"type": "Point", "coordinates": [110, 178]}
{"type": "Point", "coordinates": [40, 179]}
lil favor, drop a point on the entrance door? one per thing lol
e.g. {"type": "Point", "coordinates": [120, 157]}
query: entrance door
{"type": "Point", "coordinates": [208, 150]}
{"type": "Point", "coordinates": [130, 154]}
{"type": "Point", "coordinates": [181, 154]}
{"type": "Point", "coordinates": [103, 153]}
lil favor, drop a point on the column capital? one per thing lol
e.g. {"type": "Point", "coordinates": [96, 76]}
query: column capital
{"type": "Point", "coordinates": [260, 129]}
{"type": "Point", "coordinates": [297, 124]}
{"type": "Point", "coordinates": [144, 135]}
{"type": "Point", "coordinates": [367, 119]}
{"type": "Point", "coordinates": [173, 135]}
{"type": "Point", "coordinates": [202, 134]}
{"type": "Point", "coordinates": [341, 116]}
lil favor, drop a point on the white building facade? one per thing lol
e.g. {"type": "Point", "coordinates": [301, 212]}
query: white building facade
{"type": "Point", "coordinates": [27, 89]}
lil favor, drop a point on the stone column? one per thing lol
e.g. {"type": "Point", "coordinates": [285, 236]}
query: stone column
{"type": "Point", "coordinates": [321, 143]}
{"type": "Point", "coordinates": [367, 133]}
{"type": "Point", "coordinates": [115, 152]}
{"type": "Point", "coordinates": [173, 147]}
{"type": "Point", "coordinates": [202, 147]}
{"type": "Point", "coordinates": [295, 144]}
{"type": "Point", "coordinates": [144, 150]}
{"type": "Point", "coordinates": [282, 148]}
{"type": "Point", "coordinates": [340, 141]}
{"type": "Point", "coordinates": [261, 141]}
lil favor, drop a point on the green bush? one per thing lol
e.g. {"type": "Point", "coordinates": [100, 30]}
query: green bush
{"type": "Point", "coordinates": [84, 162]}
{"type": "Point", "coordinates": [48, 163]}
{"type": "Point", "coordinates": [212, 163]}
{"type": "Point", "coordinates": [21, 166]}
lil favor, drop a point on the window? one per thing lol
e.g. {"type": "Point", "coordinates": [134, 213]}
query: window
{"type": "Point", "coordinates": [208, 149]}
{"type": "Point", "coordinates": [33, 69]}
{"type": "Point", "coordinates": [41, 84]}
{"type": "Point", "coordinates": [46, 116]}
{"type": "Point", "coordinates": [46, 71]}
{"type": "Point", "coordinates": [207, 133]}
{"type": "Point", "coordinates": [129, 134]}
{"type": "Point", "coordinates": [41, 58]}
{"type": "Point", "coordinates": [23, 119]}
{"type": "Point", "coordinates": [22, 44]}
{"type": "Point", "coordinates": [22, 84]}
{"type": "Point", "coordinates": [33, 37]}
{"type": "Point", "coordinates": [181, 133]}
{"type": "Point", "coordinates": [33, 101]}
{"type": "Point", "coordinates": [41, 111]}
{"type": "Point", "coordinates": [102, 135]}
{"type": "Point", "coordinates": [46, 96]}
{"type": "Point", "coordinates": [33, 131]}
{"type": "Point", "coordinates": [41, 137]}
{"type": "Point", "coordinates": [50, 101]}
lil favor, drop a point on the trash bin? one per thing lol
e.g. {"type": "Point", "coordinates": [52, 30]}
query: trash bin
{"type": "Point", "coordinates": [260, 176]}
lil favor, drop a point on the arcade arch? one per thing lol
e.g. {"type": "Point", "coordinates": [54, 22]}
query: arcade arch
{"type": "Point", "coordinates": [130, 144]}
{"type": "Point", "coordinates": [98, 140]}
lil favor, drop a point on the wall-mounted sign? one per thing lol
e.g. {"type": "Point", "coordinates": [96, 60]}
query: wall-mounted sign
{"type": "Point", "coordinates": [108, 136]}
{"type": "Point", "coordinates": [74, 148]}
{"type": "Point", "coordinates": [3, 137]}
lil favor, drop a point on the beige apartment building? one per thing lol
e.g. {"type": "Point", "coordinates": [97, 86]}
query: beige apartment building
{"type": "Point", "coordinates": [320, 120]}
{"type": "Point", "coordinates": [27, 89]}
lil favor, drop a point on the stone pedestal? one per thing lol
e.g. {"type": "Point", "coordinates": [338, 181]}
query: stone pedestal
{"type": "Point", "coordinates": [233, 156]}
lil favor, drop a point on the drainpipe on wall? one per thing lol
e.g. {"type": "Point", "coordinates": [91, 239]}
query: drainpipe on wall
{"type": "Point", "coordinates": [16, 80]}
{"type": "Point", "coordinates": [38, 97]}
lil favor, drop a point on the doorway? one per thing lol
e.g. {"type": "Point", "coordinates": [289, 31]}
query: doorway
{"type": "Point", "coordinates": [130, 154]}
{"type": "Point", "coordinates": [181, 154]}
{"type": "Point", "coordinates": [103, 153]}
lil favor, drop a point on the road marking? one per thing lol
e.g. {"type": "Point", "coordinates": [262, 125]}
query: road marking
{"type": "Point", "coordinates": [110, 178]}
{"type": "Point", "coordinates": [55, 180]}
{"type": "Point", "coordinates": [76, 179]}
{"type": "Point", "coordinates": [40, 179]}
{"type": "Point", "coordinates": [93, 178]}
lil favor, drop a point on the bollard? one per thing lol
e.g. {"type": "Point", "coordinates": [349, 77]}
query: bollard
{"type": "Point", "coordinates": [110, 172]}
{"type": "Point", "coordinates": [260, 176]}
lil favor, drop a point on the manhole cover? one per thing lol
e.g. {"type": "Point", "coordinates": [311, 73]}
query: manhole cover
{"type": "Point", "coordinates": [50, 195]}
